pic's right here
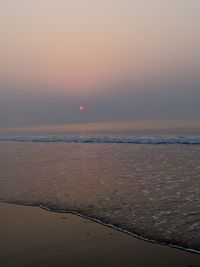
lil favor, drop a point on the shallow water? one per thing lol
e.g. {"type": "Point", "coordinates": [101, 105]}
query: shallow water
{"type": "Point", "coordinates": [150, 190]}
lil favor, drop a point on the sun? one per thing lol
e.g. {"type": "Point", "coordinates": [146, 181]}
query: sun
{"type": "Point", "coordinates": [81, 108]}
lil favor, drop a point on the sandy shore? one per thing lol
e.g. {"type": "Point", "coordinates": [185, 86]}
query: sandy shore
{"type": "Point", "coordinates": [30, 236]}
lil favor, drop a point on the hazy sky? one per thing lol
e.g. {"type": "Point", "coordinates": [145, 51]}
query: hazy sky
{"type": "Point", "coordinates": [122, 59]}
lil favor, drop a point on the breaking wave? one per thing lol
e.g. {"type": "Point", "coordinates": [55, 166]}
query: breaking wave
{"type": "Point", "coordinates": [190, 140]}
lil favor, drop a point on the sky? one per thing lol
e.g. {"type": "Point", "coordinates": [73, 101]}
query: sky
{"type": "Point", "coordinates": [123, 60]}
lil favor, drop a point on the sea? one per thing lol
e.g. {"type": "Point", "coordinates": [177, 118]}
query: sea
{"type": "Point", "coordinates": [145, 185]}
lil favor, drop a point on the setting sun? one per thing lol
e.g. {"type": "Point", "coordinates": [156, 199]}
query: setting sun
{"type": "Point", "coordinates": [81, 107]}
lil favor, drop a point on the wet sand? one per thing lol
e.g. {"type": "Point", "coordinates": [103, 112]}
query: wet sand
{"type": "Point", "coordinates": [30, 236]}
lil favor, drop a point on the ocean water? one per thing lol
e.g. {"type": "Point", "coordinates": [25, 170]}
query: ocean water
{"type": "Point", "coordinates": [148, 186]}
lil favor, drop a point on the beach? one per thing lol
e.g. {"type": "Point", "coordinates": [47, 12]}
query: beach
{"type": "Point", "coordinates": [99, 133]}
{"type": "Point", "coordinates": [31, 236]}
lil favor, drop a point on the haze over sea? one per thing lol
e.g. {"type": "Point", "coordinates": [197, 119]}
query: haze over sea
{"type": "Point", "coordinates": [145, 184]}
{"type": "Point", "coordinates": [114, 88]}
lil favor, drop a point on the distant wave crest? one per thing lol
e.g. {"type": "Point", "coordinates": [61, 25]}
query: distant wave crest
{"type": "Point", "coordinates": [190, 140]}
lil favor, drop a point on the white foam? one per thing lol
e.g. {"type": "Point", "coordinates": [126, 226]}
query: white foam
{"type": "Point", "coordinates": [191, 140]}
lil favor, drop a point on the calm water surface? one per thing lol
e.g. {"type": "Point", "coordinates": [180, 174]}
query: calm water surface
{"type": "Point", "coordinates": [150, 190]}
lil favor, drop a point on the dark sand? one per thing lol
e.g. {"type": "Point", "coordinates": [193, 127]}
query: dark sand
{"type": "Point", "coordinates": [30, 236]}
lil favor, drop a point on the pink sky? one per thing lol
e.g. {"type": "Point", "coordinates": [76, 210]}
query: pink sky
{"type": "Point", "coordinates": [88, 48]}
